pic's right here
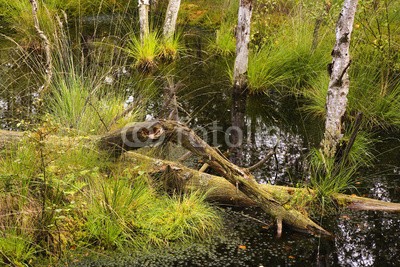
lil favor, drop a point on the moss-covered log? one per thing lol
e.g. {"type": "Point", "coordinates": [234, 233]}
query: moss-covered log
{"type": "Point", "coordinates": [219, 190]}
{"type": "Point", "coordinates": [237, 186]}
{"type": "Point", "coordinates": [164, 131]}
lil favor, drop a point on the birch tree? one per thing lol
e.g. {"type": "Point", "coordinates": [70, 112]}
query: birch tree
{"type": "Point", "coordinates": [144, 6]}
{"type": "Point", "coordinates": [170, 18]}
{"type": "Point", "coordinates": [336, 100]}
{"type": "Point", "coordinates": [239, 94]}
{"type": "Point", "coordinates": [242, 46]}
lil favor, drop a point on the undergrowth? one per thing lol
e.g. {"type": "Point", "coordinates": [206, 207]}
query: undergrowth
{"type": "Point", "coordinates": [59, 196]}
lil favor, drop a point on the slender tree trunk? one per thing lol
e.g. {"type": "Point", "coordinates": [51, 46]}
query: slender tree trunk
{"type": "Point", "coordinates": [242, 46]}
{"type": "Point", "coordinates": [144, 18]}
{"type": "Point", "coordinates": [336, 100]}
{"type": "Point", "coordinates": [239, 93]}
{"type": "Point", "coordinates": [170, 18]}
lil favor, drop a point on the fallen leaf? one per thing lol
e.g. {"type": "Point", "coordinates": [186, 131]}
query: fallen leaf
{"type": "Point", "coordinates": [243, 247]}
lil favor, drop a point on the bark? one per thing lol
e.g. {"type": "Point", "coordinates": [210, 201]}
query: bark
{"type": "Point", "coordinates": [242, 46]}
{"type": "Point", "coordinates": [338, 89]}
{"type": "Point", "coordinates": [144, 18]}
{"type": "Point", "coordinates": [47, 49]}
{"type": "Point", "coordinates": [171, 18]}
{"type": "Point", "coordinates": [169, 110]}
{"type": "Point", "coordinates": [221, 191]}
{"type": "Point", "coordinates": [237, 133]}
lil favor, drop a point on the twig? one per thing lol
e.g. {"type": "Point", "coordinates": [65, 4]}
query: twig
{"type": "Point", "coordinates": [261, 162]}
{"type": "Point", "coordinates": [185, 156]}
{"type": "Point", "coordinates": [204, 167]}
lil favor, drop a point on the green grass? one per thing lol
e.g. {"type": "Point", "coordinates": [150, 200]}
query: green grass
{"type": "Point", "coordinates": [286, 62]}
{"type": "Point", "coordinates": [171, 48]}
{"type": "Point", "coordinates": [153, 50]}
{"type": "Point", "coordinates": [90, 202]}
{"type": "Point", "coordinates": [16, 249]}
{"type": "Point", "coordinates": [144, 54]}
{"type": "Point", "coordinates": [326, 179]}
{"type": "Point", "coordinates": [225, 42]}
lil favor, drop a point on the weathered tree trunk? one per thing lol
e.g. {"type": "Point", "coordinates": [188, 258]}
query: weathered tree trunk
{"type": "Point", "coordinates": [160, 131]}
{"type": "Point", "coordinates": [338, 89]}
{"type": "Point", "coordinates": [221, 191]}
{"type": "Point", "coordinates": [169, 110]}
{"type": "Point", "coordinates": [242, 46]}
{"type": "Point", "coordinates": [240, 83]}
{"type": "Point", "coordinates": [170, 19]}
{"type": "Point", "coordinates": [144, 18]}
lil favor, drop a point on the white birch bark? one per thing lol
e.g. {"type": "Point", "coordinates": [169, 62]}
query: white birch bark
{"type": "Point", "coordinates": [170, 18]}
{"type": "Point", "coordinates": [242, 45]}
{"type": "Point", "coordinates": [144, 18]}
{"type": "Point", "coordinates": [336, 100]}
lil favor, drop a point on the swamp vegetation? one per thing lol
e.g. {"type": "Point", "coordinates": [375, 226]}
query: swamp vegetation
{"type": "Point", "coordinates": [119, 140]}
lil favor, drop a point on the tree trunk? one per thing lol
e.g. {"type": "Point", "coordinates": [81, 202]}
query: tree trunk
{"type": "Point", "coordinates": [169, 110]}
{"type": "Point", "coordinates": [157, 132]}
{"type": "Point", "coordinates": [170, 19]}
{"type": "Point", "coordinates": [144, 18]}
{"type": "Point", "coordinates": [220, 191]}
{"type": "Point", "coordinates": [338, 89]}
{"type": "Point", "coordinates": [242, 46]}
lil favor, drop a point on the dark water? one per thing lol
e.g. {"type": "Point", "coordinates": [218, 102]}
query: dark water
{"type": "Point", "coordinates": [361, 238]}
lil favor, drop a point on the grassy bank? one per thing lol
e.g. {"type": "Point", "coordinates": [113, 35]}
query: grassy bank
{"type": "Point", "coordinates": [63, 196]}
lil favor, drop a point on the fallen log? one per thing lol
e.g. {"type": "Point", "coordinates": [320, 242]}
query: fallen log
{"type": "Point", "coordinates": [162, 131]}
{"type": "Point", "coordinates": [237, 186]}
{"type": "Point", "coordinates": [220, 191]}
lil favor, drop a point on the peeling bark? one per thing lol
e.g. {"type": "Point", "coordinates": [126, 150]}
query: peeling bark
{"type": "Point", "coordinates": [242, 46]}
{"type": "Point", "coordinates": [338, 89]}
{"type": "Point", "coordinates": [171, 18]}
{"type": "Point", "coordinates": [144, 6]}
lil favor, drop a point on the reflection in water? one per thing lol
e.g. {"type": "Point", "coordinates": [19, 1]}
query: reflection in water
{"type": "Point", "coordinates": [288, 162]}
{"type": "Point", "coordinates": [368, 239]}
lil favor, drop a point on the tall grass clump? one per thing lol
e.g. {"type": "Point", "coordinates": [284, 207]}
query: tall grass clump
{"type": "Point", "coordinates": [153, 50]}
{"type": "Point", "coordinates": [129, 214]}
{"type": "Point", "coordinates": [225, 42]}
{"type": "Point", "coordinates": [145, 52]}
{"type": "Point", "coordinates": [376, 96]}
{"type": "Point", "coordinates": [336, 175]}
{"type": "Point", "coordinates": [170, 48]}
{"type": "Point", "coordinates": [287, 62]}
{"type": "Point", "coordinates": [327, 177]}
{"type": "Point", "coordinates": [87, 91]}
